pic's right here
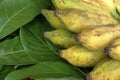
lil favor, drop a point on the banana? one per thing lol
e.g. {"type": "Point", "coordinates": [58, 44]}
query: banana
{"type": "Point", "coordinates": [114, 7]}
{"type": "Point", "coordinates": [82, 57]}
{"type": "Point", "coordinates": [95, 6]}
{"type": "Point", "coordinates": [76, 20]}
{"type": "Point", "coordinates": [117, 4]}
{"type": "Point", "coordinates": [105, 70]}
{"type": "Point", "coordinates": [52, 19]}
{"type": "Point", "coordinates": [98, 37]}
{"type": "Point", "coordinates": [61, 37]}
{"type": "Point", "coordinates": [113, 50]}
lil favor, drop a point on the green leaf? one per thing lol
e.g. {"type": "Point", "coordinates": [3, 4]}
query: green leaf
{"type": "Point", "coordinates": [46, 70]}
{"type": "Point", "coordinates": [1, 1]}
{"type": "Point", "coordinates": [16, 13]}
{"type": "Point", "coordinates": [34, 43]}
{"type": "Point", "coordinates": [65, 78]}
{"type": "Point", "coordinates": [5, 71]}
{"type": "Point", "coordinates": [1, 66]}
{"type": "Point", "coordinates": [12, 53]}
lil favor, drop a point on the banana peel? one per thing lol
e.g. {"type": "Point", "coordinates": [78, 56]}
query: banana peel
{"type": "Point", "coordinates": [82, 57]}
{"type": "Point", "coordinates": [106, 70]}
{"type": "Point", "coordinates": [77, 20]}
{"type": "Point", "coordinates": [95, 38]}
{"type": "Point", "coordinates": [52, 19]}
{"type": "Point", "coordinates": [95, 6]}
{"type": "Point", "coordinates": [61, 37]}
{"type": "Point", "coordinates": [113, 50]}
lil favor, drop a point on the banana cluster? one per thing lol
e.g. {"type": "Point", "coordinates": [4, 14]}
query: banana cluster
{"type": "Point", "coordinates": [88, 32]}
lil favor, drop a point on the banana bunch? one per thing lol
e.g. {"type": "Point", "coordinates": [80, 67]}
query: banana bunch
{"type": "Point", "coordinates": [88, 32]}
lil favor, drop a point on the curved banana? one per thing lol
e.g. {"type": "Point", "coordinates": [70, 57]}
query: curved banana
{"type": "Point", "coordinates": [98, 37]}
{"type": "Point", "coordinates": [105, 70]}
{"type": "Point", "coordinates": [76, 20]}
{"type": "Point", "coordinates": [113, 50]}
{"type": "Point", "coordinates": [81, 56]}
{"type": "Point", "coordinates": [61, 37]}
{"type": "Point", "coordinates": [52, 19]}
{"type": "Point", "coordinates": [114, 7]}
{"type": "Point", "coordinates": [117, 4]}
{"type": "Point", "coordinates": [95, 6]}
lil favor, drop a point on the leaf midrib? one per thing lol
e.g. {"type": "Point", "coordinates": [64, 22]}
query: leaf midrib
{"type": "Point", "coordinates": [8, 20]}
{"type": "Point", "coordinates": [12, 52]}
{"type": "Point", "coordinates": [52, 73]}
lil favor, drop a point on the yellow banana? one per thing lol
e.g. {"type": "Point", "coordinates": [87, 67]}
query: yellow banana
{"type": "Point", "coordinates": [82, 57]}
{"type": "Point", "coordinates": [98, 37]}
{"type": "Point", "coordinates": [76, 20]}
{"type": "Point", "coordinates": [104, 7]}
{"type": "Point", "coordinates": [52, 19]}
{"type": "Point", "coordinates": [105, 70]}
{"type": "Point", "coordinates": [117, 4]}
{"type": "Point", "coordinates": [113, 50]}
{"type": "Point", "coordinates": [61, 37]}
{"type": "Point", "coordinates": [95, 6]}
{"type": "Point", "coordinates": [114, 7]}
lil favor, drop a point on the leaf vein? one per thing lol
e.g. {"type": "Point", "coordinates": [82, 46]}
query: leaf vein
{"type": "Point", "coordinates": [12, 52]}
{"type": "Point", "coordinates": [15, 15]}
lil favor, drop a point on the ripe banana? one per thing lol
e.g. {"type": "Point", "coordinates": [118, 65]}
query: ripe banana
{"type": "Point", "coordinates": [81, 56]}
{"type": "Point", "coordinates": [61, 37]}
{"type": "Point", "coordinates": [98, 37]}
{"type": "Point", "coordinates": [95, 6]}
{"type": "Point", "coordinates": [105, 70]}
{"type": "Point", "coordinates": [114, 7]}
{"type": "Point", "coordinates": [113, 50]}
{"type": "Point", "coordinates": [117, 4]}
{"type": "Point", "coordinates": [76, 20]}
{"type": "Point", "coordinates": [52, 19]}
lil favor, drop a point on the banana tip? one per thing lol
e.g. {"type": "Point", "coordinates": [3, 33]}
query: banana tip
{"type": "Point", "coordinates": [77, 37]}
{"type": "Point", "coordinates": [60, 53]}
{"type": "Point", "coordinates": [56, 12]}
{"type": "Point", "coordinates": [89, 77]}
{"type": "Point", "coordinates": [44, 34]}
{"type": "Point", "coordinates": [106, 50]}
{"type": "Point", "coordinates": [42, 11]}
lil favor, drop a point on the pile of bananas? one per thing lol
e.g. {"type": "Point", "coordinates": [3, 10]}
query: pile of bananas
{"type": "Point", "coordinates": [88, 31]}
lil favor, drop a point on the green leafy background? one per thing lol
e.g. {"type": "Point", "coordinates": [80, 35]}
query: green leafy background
{"type": "Point", "coordinates": [24, 52]}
